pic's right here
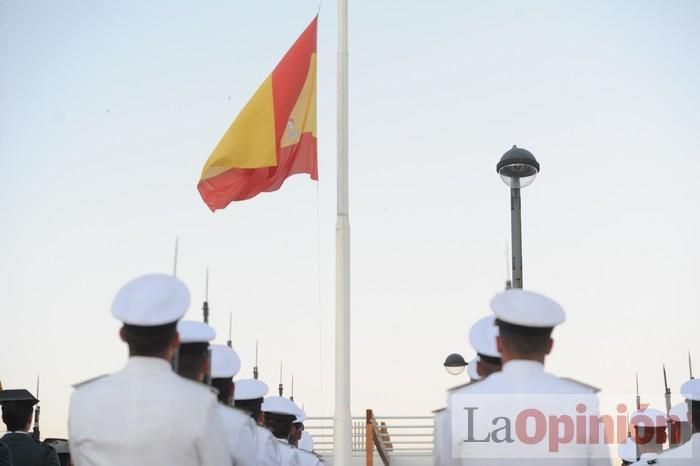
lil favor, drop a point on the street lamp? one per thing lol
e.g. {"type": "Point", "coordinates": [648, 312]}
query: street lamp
{"type": "Point", "coordinates": [518, 168]}
{"type": "Point", "coordinates": [455, 364]}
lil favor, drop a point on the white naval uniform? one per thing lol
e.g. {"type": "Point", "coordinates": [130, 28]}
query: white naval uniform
{"type": "Point", "coordinates": [241, 433]}
{"type": "Point", "coordinates": [529, 378]}
{"type": "Point", "coordinates": [684, 455]}
{"type": "Point", "coordinates": [289, 454]}
{"type": "Point", "coordinates": [145, 414]}
{"type": "Point", "coordinates": [269, 453]}
{"type": "Point", "coordinates": [306, 458]}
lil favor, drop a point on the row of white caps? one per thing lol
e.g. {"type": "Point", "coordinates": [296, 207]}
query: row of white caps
{"type": "Point", "coordinates": [160, 299]}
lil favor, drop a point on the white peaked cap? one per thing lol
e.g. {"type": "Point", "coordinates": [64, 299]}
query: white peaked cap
{"type": "Point", "coordinates": [280, 405]}
{"type": "Point", "coordinates": [225, 362]}
{"type": "Point", "coordinates": [300, 417]}
{"type": "Point", "coordinates": [679, 412]}
{"type": "Point", "coordinates": [649, 417]}
{"type": "Point", "coordinates": [527, 309]}
{"type": "Point", "coordinates": [192, 331]}
{"type": "Point", "coordinates": [306, 442]}
{"type": "Point", "coordinates": [471, 369]}
{"type": "Point", "coordinates": [691, 390]}
{"type": "Point", "coordinates": [627, 451]}
{"type": "Point", "coordinates": [482, 337]}
{"type": "Point", "coordinates": [250, 389]}
{"type": "Point", "coordinates": [151, 300]}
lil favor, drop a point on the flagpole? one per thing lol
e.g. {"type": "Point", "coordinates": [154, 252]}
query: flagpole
{"type": "Point", "coordinates": [342, 422]}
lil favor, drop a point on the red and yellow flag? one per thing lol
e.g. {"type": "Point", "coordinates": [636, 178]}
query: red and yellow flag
{"type": "Point", "coordinates": [273, 137]}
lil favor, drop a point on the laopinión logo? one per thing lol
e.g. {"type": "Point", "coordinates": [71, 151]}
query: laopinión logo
{"type": "Point", "coordinates": [552, 425]}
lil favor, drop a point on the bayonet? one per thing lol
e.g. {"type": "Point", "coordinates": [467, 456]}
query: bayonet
{"type": "Point", "coordinates": [690, 366]}
{"type": "Point", "coordinates": [639, 400]}
{"type": "Point", "coordinates": [255, 368]}
{"type": "Point", "coordinates": [280, 388]}
{"type": "Point", "coordinates": [667, 393]}
{"type": "Point", "coordinates": [230, 323]}
{"type": "Point", "coordinates": [36, 432]}
{"type": "Point", "coordinates": [205, 305]}
{"type": "Point", "coordinates": [175, 257]}
{"type": "Point", "coordinates": [291, 397]}
{"type": "Point", "coordinates": [667, 396]}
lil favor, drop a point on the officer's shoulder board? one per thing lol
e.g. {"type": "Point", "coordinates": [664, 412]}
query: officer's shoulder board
{"type": "Point", "coordinates": [88, 381]}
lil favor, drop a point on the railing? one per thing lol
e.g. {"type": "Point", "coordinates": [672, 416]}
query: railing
{"type": "Point", "coordinates": [387, 435]}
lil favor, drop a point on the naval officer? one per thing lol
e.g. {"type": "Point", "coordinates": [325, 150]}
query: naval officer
{"type": "Point", "coordinates": [689, 453]}
{"type": "Point", "coordinates": [240, 429]}
{"type": "Point", "coordinates": [522, 388]}
{"type": "Point", "coordinates": [17, 409]}
{"type": "Point", "coordinates": [280, 414]}
{"type": "Point", "coordinates": [306, 457]}
{"type": "Point", "coordinates": [650, 433]}
{"type": "Point", "coordinates": [680, 425]}
{"type": "Point", "coordinates": [627, 451]}
{"type": "Point", "coordinates": [146, 414]}
{"type": "Point", "coordinates": [248, 397]}
{"type": "Point", "coordinates": [482, 338]}
{"type": "Point", "coordinates": [193, 356]}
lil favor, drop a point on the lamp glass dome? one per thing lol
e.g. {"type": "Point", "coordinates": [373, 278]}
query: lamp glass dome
{"type": "Point", "coordinates": [518, 168]}
{"type": "Point", "coordinates": [455, 364]}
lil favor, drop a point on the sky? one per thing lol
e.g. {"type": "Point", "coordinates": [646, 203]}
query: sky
{"type": "Point", "coordinates": [108, 111]}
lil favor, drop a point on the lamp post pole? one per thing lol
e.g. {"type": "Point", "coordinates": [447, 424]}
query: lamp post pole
{"type": "Point", "coordinates": [518, 168]}
{"type": "Point", "coordinates": [516, 238]}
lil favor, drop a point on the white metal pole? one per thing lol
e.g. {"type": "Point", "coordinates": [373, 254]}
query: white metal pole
{"type": "Point", "coordinates": [342, 423]}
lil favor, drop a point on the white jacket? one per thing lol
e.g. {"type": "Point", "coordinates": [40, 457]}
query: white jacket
{"type": "Point", "coordinates": [145, 414]}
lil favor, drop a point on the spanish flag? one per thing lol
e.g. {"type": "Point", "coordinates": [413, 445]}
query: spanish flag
{"type": "Point", "coordinates": [273, 137]}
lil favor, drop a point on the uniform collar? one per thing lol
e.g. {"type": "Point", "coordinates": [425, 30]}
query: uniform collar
{"type": "Point", "coordinates": [147, 364]}
{"type": "Point", "coordinates": [17, 432]}
{"type": "Point", "coordinates": [523, 366]}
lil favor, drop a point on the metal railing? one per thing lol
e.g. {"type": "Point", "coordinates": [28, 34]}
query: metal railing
{"type": "Point", "coordinates": [387, 435]}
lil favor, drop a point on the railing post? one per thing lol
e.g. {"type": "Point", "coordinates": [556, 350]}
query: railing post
{"type": "Point", "coordinates": [369, 440]}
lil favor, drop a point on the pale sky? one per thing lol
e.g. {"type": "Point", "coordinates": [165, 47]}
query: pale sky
{"type": "Point", "coordinates": [108, 110]}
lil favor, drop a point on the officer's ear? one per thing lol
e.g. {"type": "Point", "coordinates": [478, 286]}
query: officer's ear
{"type": "Point", "coordinates": [499, 344]}
{"type": "Point", "coordinates": [550, 344]}
{"type": "Point", "coordinates": [122, 334]}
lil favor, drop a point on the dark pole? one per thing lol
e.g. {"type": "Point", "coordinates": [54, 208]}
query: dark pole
{"type": "Point", "coordinates": [516, 238]}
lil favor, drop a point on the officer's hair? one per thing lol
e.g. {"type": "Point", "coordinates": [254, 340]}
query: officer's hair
{"type": "Point", "coordinates": [191, 358]}
{"type": "Point", "coordinates": [525, 341]}
{"type": "Point", "coordinates": [225, 388]}
{"type": "Point", "coordinates": [149, 341]}
{"type": "Point", "coordinates": [279, 424]}
{"type": "Point", "coordinates": [16, 415]}
{"type": "Point", "coordinates": [251, 407]}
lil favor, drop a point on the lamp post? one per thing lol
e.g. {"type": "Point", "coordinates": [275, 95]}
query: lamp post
{"type": "Point", "coordinates": [454, 364]}
{"type": "Point", "coordinates": [518, 168]}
